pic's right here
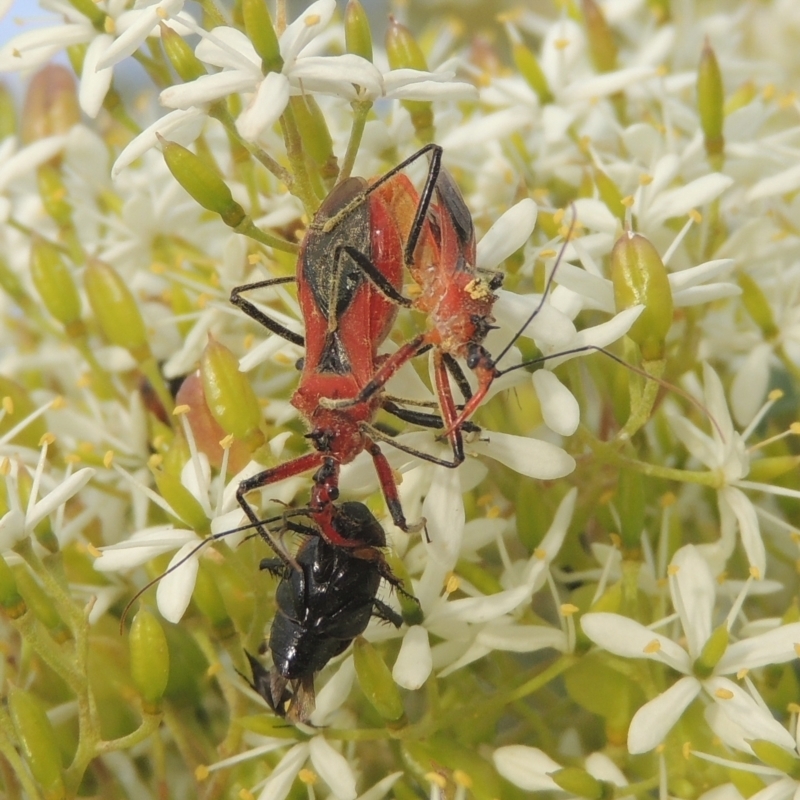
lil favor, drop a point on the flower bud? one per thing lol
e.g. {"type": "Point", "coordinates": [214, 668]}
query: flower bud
{"type": "Point", "coordinates": [202, 181]}
{"type": "Point", "coordinates": [54, 194]}
{"type": "Point", "coordinates": [713, 650]}
{"type": "Point", "coordinates": [661, 9]}
{"type": "Point", "coordinates": [206, 596]}
{"type": "Point", "coordinates": [766, 470]}
{"type": "Point", "coordinates": [314, 132]}
{"type": "Point", "coordinates": [404, 53]}
{"type": "Point", "coordinates": [711, 101]}
{"type": "Point", "coordinates": [741, 97]}
{"type": "Point", "coordinates": [774, 755]}
{"type": "Point", "coordinates": [376, 681]}
{"type": "Point", "coordinates": [180, 55]}
{"type": "Point", "coordinates": [54, 282]}
{"type": "Point", "coordinates": [757, 306]}
{"type": "Point", "coordinates": [38, 742]}
{"type": "Point", "coordinates": [261, 32]}
{"type": "Point", "coordinates": [39, 603]}
{"type": "Point", "coordinates": [229, 395]}
{"type": "Point", "coordinates": [357, 34]}
{"type": "Point", "coordinates": [528, 66]}
{"type": "Point", "coordinates": [8, 113]}
{"type": "Point", "coordinates": [90, 10]}
{"type": "Point", "coordinates": [10, 599]}
{"type": "Point", "coordinates": [579, 782]}
{"type": "Point", "coordinates": [610, 194]}
{"type": "Point", "coordinates": [20, 406]}
{"type": "Point", "coordinates": [639, 277]}
{"type": "Point", "coordinates": [51, 104]}
{"type": "Point", "coordinates": [602, 48]}
{"type": "Point", "coordinates": [115, 308]}
{"type": "Point", "coordinates": [632, 506]}
{"type": "Point", "coordinates": [186, 507]}
{"type": "Point", "coordinates": [149, 659]}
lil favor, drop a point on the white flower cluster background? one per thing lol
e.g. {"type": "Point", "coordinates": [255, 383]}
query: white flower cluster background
{"type": "Point", "coordinates": [607, 595]}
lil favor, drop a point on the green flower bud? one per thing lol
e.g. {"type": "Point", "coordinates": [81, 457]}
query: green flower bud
{"type": "Point", "coordinates": [55, 285]}
{"type": "Point", "coordinates": [229, 395]}
{"type": "Point", "coordinates": [39, 603]}
{"type": "Point", "coordinates": [313, 129]}
{"type": "Point", "coordinates": [149, 659]}
{"type": "Point", "coordinates": [10, 598]}
{"type": "Point", "coordinates": [741, 97]}
{"type": "Point", "coordinates": [180, 55]}
{"type": "Point", "coordinates": [528, 66]}
{"type": "Point", "coordinates": [662, 10]}
{"type": "Point", "coordinates": [38, 742]}
{"type": "Point", "coordinates": [713, 650]}
{"type": "Point", "coordinates": [12, 285]}
{"type": "Point", "coordinates": [357, 34]}
{"type": "Point", "coordinates": [261, 32]}
{"type": "Point", "coordinates": [376, 681]}
{"type": "Point", "coordinates": [711, 101]}
{"type": "Point", "coordinates": [766, 470]}
{"type": "Point", "coordinates": [90, 10]}
{"type": "Point", "coordinates": [631, 504]}
{"type": "Point", "coordinates": [579, 782]}
{"type": "Point", "coordinates": [51, 104]}
{"type": "Point", "coordinates": [639, 277]}
{"type": "Point", "coordinates": [610, 194]}
{"type": "Point", "coordinates": [18, 406]}
{"type": "Point", "coordinates": [206, 596]}
{"type": "Point", "coordinates": [115, 309]}
{"type": "Point", "coordinates": [757, 306]}
{"type": "Point", "coordinates": [181, 500]}
{"type": "Point", "coordinates": [202, 181]}
{"type": "Point", "coordinates": [602, 48]}
{"type": "Point", "coordinates": [404, 53]}
{"type": "Point", "coordinates": [54, 194]}
{"type": "Point", "coordinates": [8, 112]}
{"type": "Point", "coordinates": [774, 755]}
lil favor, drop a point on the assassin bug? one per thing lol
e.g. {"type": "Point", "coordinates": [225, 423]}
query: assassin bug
{"type": "Point", "coordinates": [348, 312]}
{"type": "Point", "coordinates": [326, 597]}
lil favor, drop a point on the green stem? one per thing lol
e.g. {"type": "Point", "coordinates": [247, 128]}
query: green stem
{"type": "Point", "coordinates": [294, 150]}
{"type": "Point", "coordinates": [248, 228]}
{"type": "Point", "coordinates": [149, 726]}
{"type": "Point", "coordinates": [360, 112]}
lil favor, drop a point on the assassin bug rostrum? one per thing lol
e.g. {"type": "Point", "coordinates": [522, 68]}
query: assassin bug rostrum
{"type": "Point", "coordinates": [326, 596]}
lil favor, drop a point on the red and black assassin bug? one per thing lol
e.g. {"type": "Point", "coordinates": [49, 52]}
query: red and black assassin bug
{"type": "Point", "coordinates": [326, 597]}
{"type": "Point", "coordinates": [348, 312]}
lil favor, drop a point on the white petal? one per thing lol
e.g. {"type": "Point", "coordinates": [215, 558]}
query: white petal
{"type": "Point", "coordinates": [773, 647]}
{"type": "Point", "coordinates": [326, 73]}
{"type": "Point", "coordinates": [29, 158]}
{"type": "Point", "coordinates": [521, 638]}
{"type": "Point", "coordinates": [182, 125]}
{"type": "Point", "coordinates": [334, 693]}
{"type": "Point", "coordinates": [94, 80]}
{"type": "Point", "coordinates": [175, 588]}
{"type": "Point", "coordinates": [693, 595]}
{"type": "Point", "coordinates": [701, 446]}
{"type": "Point", "coordinates": [653, 721]}
{"type": "Point", "coordinates": [265, 107]}
{"type": "Point", "coordinates": [600, 766]}
{"type": "Point", "coordinates": [206, 89]}
{"type": "Point", "coordinates": [745, 712]}
{"type": "Point", "coordinates": [526, 767]}
{"type": "Point", "coordinates": [35, 48]}
{"type": "Point", "coordinates": [141, 547]}
{"type": "Point", "coordinates": [443, 508]}
{"type": "Point", "coordinates": [414, 661]}
{"type": "Point", "coordinates": [560, 409]}
{"type": "Point", "coordinates": [378, 791]}
{"type": "Point", "coordinates": [12, 529]}
{"type": "Point", "coordinates": [678, 202]}
{"type": "Point", "coordinates": [333, 768]}
{"type": "Point", "coordinates": [481, 609]}
{"type": "Point", "coordinates": [749, 529]}
{"type": "Point", "coordinates": [532, 457]}
{"type": "Point", "coordinates": [146, 20]}
{"type": "Point", "coordinates": [305, 28]}
{"type": "Point", "coordinates": [229, 48]}
{"type": "Point", "coordinates": [605, 84]}
{"type": "Point", "coordinates": [705, 294]}
{"type": "Point", "coordinates": [717, 405]}
{"type": "Point", "coordinates": [507, 235]}
{"type": "Point", "coordinates": [280, 781]}
{"type": "Point", "coordinates": [782, 183]}
{"type": "Point", "coordinates": [63, 492]}
{"type": "Point", "coordinates": [750, 383]}
{"type": "Point", "coordinates": [694, 276]}
{"type": "Point", "coordinates": [630, 639]}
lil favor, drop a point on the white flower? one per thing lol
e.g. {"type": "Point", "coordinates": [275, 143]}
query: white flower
{"type": "Point", "coordinates": [693, 593]}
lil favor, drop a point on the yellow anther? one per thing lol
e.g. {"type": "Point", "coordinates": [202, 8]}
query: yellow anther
{"type": "Point", "coordinates": [652, 647]}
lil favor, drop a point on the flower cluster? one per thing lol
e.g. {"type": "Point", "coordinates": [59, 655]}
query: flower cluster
{"type": "Point", "coordinates": [612, 570]}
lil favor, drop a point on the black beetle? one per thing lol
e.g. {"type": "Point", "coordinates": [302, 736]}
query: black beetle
{"type": "Point", "coordinates": [325, 598]}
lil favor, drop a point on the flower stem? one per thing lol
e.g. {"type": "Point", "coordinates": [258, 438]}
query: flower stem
{"type": "Point", "coordinates": [360, 112]}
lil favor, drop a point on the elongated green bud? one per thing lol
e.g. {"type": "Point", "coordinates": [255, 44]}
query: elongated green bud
{"type": "Point", "coordinates": [775, 756]}
{"type": "Point", "coordinates": [51, 104]}
{"type": "Point", "coordinates": [39, 603]}
{"type": "Point", "coordinates": [115, 309]}
{"type": "Point", "coordinates": [578, 782]}
{"type": "Point", "coordinates": [602, 47]}
{"type": "Point", "coordinates": [610, 194]}
{"type": "Point", "coordinates": [711, 102]}
{"type": "Point", "coordinates": [206, 596]}
{"type": "Point", "coordinates": [357, 34]}
{"type": "Point", "coordinates": [632, 506]}
{"type": "Point", "coordinates": [8, 113]}
{"type": "Point", "coordinates": [54, 194]}
{"type": "Point", "coordinates": [180, 54]}
{"type": "Point", "coordinates": [149, 659]}
{"type": "Point", "coordinates": [404, 53]}
{"type": "Point", "coordinates": [713, 650]}
{"type": "Point", "coordinates": [528, 66]}
{"type": "Point", "coordinates": [89, 9]}
{"type": "Point", "coordinates": [662, 10]}
{"type": "Point", "coordinates": [38, 742]}
{"type": "Point", "coordinates": [639, 277]}
{"type": "Point", "coordinates": [757, 305]}
{"type": "Point", "coordinates": [766, 470]}
{"type": "Point", "coordinates": [181, 500]}
{"type": "Point", "coordinates": [202, 181]}
{"type": "Point", "coordinates": [313, 129]}
{"type": "Point", "coordinates": [229, 395]}
{"type": "Point", "coordinates": [261, 32]}
{"type": "Point", "coordinates": [376, 681]}
{"type": "Point", "coordinates": [55, 285]}
{"type": "Point", "coordinates": [10, 598]}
